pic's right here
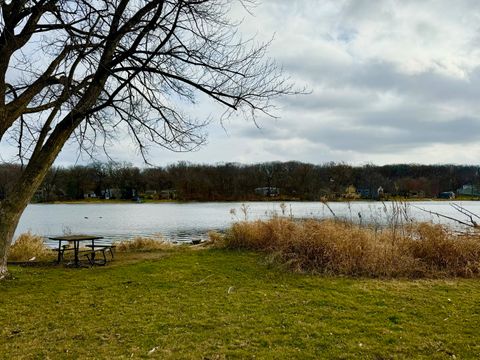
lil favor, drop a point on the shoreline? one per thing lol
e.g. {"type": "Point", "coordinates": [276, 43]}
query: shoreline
{"type": "Point", "coordinates": [149, 201]}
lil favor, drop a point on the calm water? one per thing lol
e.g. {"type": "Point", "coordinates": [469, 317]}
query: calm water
{"type": "Point", "coordinates": [184, 222]}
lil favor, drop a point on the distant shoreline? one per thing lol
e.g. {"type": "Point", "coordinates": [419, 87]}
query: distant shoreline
{"type": "Point", "coordinates": [150, 201]}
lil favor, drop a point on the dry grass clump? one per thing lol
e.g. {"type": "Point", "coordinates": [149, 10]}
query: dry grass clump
{"type": "Point", "coordinates": [336, 247]}
{"type": "Point", "coordinates": [143, 244]}
{"type": "Point", "coordinates": [443, 252]}
{"type": "Point", "coordinates": [215, 240]}
{"type": "Point", "coordinates": [27, 247]}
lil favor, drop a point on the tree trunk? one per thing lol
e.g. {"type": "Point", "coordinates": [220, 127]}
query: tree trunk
{"type": "Point", "coordinates": [38, 166]}
{"type": "Point", "coordinates": [11, 209]}
{"type": "Point", "coordinates": [9, 217]}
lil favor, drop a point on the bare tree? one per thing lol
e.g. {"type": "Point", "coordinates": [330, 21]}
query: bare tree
{"type": "Point", "coordinates": [93, 69]}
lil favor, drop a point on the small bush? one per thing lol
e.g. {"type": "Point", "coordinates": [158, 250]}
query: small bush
{"type": "Point", "coordinates": [143, 244]}
{"type": "Point", "coordinates": [27, 247]}
{"type": "Point", "coordinates": [336, 247]}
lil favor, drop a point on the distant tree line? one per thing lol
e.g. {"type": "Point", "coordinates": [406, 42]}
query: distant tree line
{"type": "Point", "coordinates": [231, 181]}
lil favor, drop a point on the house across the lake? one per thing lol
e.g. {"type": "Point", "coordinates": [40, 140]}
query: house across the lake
{"type": "Point", "coordinates": [416, 194]}
{"type": "Point", "coordinates": [267, 191]}
{"type": "Point", "coordinates": [380, 192]}
{"type": "Point", "coordinates": [469, 189]}
{"type": "Point", "coordinates": [446, 195]}
{"type": "Point", "coordinates": [168, 194]}
{"type": "Point", "coordinates": [364, 193]}
{"type": "Point", "coordinates": [113, 193]}
{"type": "Point", "coordinates": [90, 195]}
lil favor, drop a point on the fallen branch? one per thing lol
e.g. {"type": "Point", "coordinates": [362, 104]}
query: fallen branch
{"type": "Point", "coordinates": [466, 212]}
{"type": "Point", "coordinates": [473, 224]}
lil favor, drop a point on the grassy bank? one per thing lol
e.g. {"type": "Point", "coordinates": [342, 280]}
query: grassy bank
{"type": "Point", "coordinates": [219, 304]}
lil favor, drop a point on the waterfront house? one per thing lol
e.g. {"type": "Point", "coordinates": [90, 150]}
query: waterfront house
{"type": "Point", "coordinates": [267, 191]}
{"type": "Point", "coordinates": [446, 195]}
{"type": "Point", "coordinates": [469, 190]}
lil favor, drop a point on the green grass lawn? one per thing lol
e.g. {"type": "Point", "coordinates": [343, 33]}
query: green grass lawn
{"type": "Point", "coordinates": [217, 304]}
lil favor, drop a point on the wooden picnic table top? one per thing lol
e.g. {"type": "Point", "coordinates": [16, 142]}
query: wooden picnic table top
{"type": "Point", "coordinates": [76, 237]}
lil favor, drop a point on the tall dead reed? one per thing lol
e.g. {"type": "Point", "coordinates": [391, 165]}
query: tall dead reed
{"type": "Point", "coordinates": [143, 244]}
{"type": "Point", "coordinates": [340, 247]}
{"type": "Point", "coordinates": [29, 247]}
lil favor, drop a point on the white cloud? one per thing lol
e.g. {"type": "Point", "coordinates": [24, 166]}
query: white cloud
{"type": "Point", "coordinates": [391, 81]}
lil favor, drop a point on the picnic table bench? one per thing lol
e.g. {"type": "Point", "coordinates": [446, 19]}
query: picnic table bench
{"type": "Point", "coordinates": [92, 248]}
{"type": "Point", "coordinates": [99, 248]}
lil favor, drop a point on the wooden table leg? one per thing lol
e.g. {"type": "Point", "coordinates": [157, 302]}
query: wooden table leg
{"type": "Point", "coordinates": [93, 251]}
{"type": "Point", "coordinates": [59, 258]}
{"type": "Point", "coordinates": [76, 247]}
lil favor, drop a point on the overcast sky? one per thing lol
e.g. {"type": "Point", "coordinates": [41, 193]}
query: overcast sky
{"type": "Point", "coordinates": [392, 81]}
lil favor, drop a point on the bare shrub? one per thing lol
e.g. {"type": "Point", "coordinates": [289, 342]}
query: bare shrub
{"type": "Point", "coordinates": [338, 247]}
{"type": "Point", "coordinates": [29, 246]}
{"type": "Point", "coordinates": [143, 244]}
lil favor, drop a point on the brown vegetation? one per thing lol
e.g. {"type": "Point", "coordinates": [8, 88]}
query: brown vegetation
{"type": "Point", "coordinates": [143, 244]}
{"type": "Point", "coordinates": [336, 247]}
{"type": "Point", "coordinates": [29, 247]}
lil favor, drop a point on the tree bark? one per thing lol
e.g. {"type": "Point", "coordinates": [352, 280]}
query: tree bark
{"type": "Point", "coordinates": [11, 209]}
{"type": "Point", "coordinates": [16, 201]}
{"type": "Point", "coordinates": [9, 217]}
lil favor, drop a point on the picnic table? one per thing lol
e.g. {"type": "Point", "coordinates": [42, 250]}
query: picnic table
{"type": "Point", "coordinates": [76, 240]}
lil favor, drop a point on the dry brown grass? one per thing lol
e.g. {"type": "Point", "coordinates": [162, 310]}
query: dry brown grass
{"type": "Point", "coordinates": [334, 247]}
{"type": "Point", "coordinates": [215, 240]}
{"type": "Point", "coordinates": [143, 244]}
{"type": "Point", "coordinates": [27, 247]}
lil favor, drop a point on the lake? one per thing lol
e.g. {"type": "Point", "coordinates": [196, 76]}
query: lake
{"type": "Point", "coordinates": [183, 222]}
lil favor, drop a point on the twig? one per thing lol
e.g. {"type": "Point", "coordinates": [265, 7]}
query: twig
{"type": "Point", "coordinates": [474, 225]}
{"type": "Point", "coordinates": [466, 212]}
{"type": "Point", "coordinates": [329, 208]}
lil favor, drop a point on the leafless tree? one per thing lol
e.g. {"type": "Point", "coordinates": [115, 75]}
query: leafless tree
{"type": "Point", "coordinates": [93, 69]}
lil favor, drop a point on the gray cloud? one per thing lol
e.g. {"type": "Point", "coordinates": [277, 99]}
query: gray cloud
{"type": "Point", "coordinates": [391, 81]}
{"type": "Point", "coordinates": [387, 78]}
